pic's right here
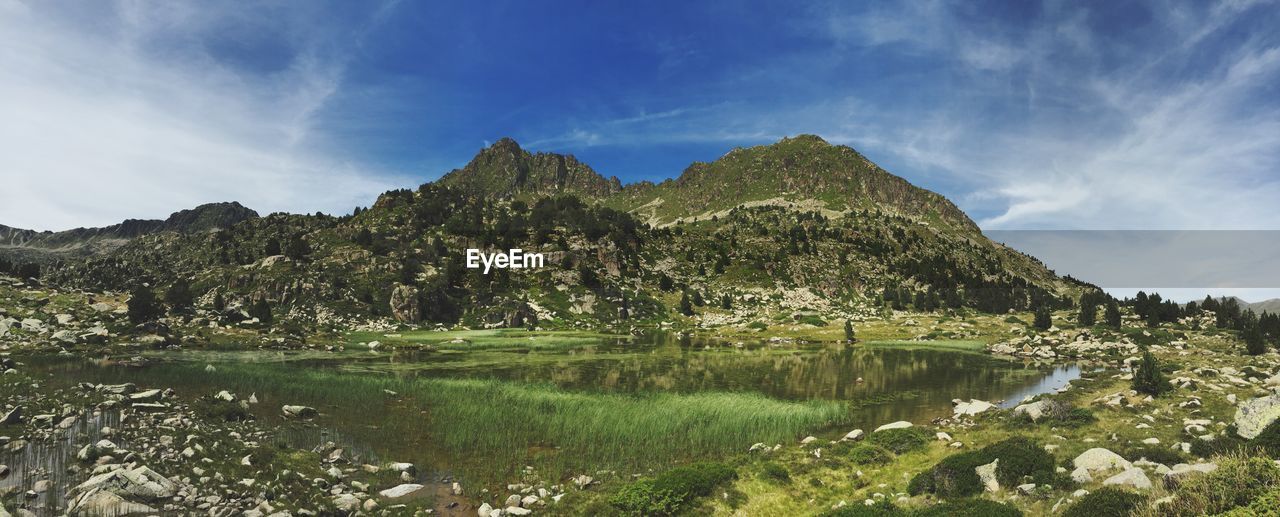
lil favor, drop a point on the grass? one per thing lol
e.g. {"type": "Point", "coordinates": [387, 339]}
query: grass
{"type": "Point", "coordinates": [957, 345]}
{"type": "Point", "coordinates": [493, 428]}
{"type": "Point", "coordinates": [494, 339]}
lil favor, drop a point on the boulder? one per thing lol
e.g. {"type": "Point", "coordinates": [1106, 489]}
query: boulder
{"type": "Point", "coordinates": [1132, 477]}
{"type": "Point", "coordinates": [138, 484]}
{"type": "Point", "coordinates": [1099, 458]}
{"type": "Point", "coordinates": [1182, 471]}
{"type": "Point", "coordinates": [14, 416]}
{"type": "Point", "coordinates": [987, 473]}
{"type": "Point", "coordinates": [298, 411]}
{"type": "Point", "coordinates": [853, 435]}
{"type": "Point", "coordinates": [1255, 415]}
{"type": "Point", "coordinates": [101, 502]}
{"type": "Point", "coordinates": [901, 424]}
{"type": "Point", "coordinates": [401, 491]}
{"type": "Point", "coordinates": [404, 304]}
{"type": "Point", "coordinates": [145, 396]}
{"type": "Point", "coordinates": [346, 502]}
{"type": "Point", "coordinates": [1035, 410]}
{"type": "Point", "coordinates": [972, 407]}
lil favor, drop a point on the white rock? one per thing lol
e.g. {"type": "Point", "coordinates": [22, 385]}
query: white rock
{"type": "Point", "coordinates": [972, 407]}
{"type": "Point", "coordinates": [404, 490]}
{"type": "Point", "coordinates": [901, 424]}
{"type": "Point", "coordinates": [1255, 415]}
{"type": "Point", "coordinates": [853, 435]}
{"type": "Point", "coordinates": [1099, 458]}
{"type": "Point", "coordinates": [1135, 478]}
{"type": "Point", "coordinates": [987, 473]}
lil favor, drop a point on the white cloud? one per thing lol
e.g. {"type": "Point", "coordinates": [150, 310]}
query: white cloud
{"type": "Point", "coordinates": [126, 113]}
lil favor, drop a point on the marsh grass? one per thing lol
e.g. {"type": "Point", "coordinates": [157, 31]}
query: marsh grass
{"type": "Point", "coordinates": [958, 345]}
{"type": "Point", "coordinates": [490, 429]}
{"type": "Point", "coordinates": [493, 339]}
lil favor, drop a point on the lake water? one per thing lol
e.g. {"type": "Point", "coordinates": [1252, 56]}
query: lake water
{"type": "Point", "coordinates": [882, 384]}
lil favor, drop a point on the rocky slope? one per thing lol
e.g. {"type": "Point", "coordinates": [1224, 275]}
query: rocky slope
{"type": "Point", "coordinates": [746, 247]}
{"type": "Point", "coordinates": [26, 245]}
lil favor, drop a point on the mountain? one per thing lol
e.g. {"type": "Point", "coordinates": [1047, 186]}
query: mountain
{"type": "Point", "coordinates": [505, 170]}
{"type": "Point", "coordinates": [804, 171]}
{"type": "Point", "coordinates": [797, 227]}
{"type": "Point", "coordinates": [1272, 306]}
{"type": "Point", "coordinates": [25, 245]}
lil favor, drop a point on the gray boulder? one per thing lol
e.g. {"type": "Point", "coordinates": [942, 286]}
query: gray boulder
{"type": "Point", "coordinates": [1255, 415]}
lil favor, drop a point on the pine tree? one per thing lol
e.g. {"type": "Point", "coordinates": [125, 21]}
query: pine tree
{"type": "Point", "coordinates": [297, 249]}
{"type": "Point", "coordinates": [1113, 315]}
{"type": "Point", "coordinates": [1148, 378]}
{"type": "Point", "coordinates": [1043, 319]}
{"type": "Point", "coordinates": [726, 302]}
{"type": "Point", "coordinates": [1253, 342]}
{"type": "Point", "coordinates": [686, 307]}
{"type": "Point", "coordinates": [273, 247]}
{"type": "Point", "coordinates": [1088, 313]}
{"type": "Point", "coordinates": [848, 331]}
{"type": "Point", "coordinates": [219, 303]}
{"type": "Point", "coordinates": [142, 305]}
{"type": "Point", "coordinates": [179, 295]}
{"type": "Point", "coordinates": [697, 299]}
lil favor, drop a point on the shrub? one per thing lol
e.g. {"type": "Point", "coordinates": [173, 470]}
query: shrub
{"type": "Point", "coordinates": [775, 472]}
{"type": "Point", "coordinates": [869, 454]}
{"type": "Point", "coordinates": [672, 490]}
{"type": "Point", "coordinates": [1239, 480]}
{"type": "Point", "coordinates": [1269, 439]}
{"type": "Point", "coordinates": [1268, 505]}
{"type": "Point", "coordinates": [954, 476]}
{"type": "Point", "coordinates": [976, 507]}
{"type": "Point", "coordinates": [880, 509]}
{"type": "Point", "coordinates": [1156, 453]}
{"type": "Point", "coordinates": [218, 409]}
{"type": "Point", "coordinates": [757, 325]}
{"type": "Point", "coordinates": [812, 320]}
{"type": "Point", "coordinates": [1222, 444]}
{"type": "Point", "coordinates": [1105, 502]}
{"type": "Point", "coordinates": [1148, 378]}
{"type": "Point", "coordinates": [900, 441]}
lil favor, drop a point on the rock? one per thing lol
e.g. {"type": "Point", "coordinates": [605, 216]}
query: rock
{"type": "Point", "coordinates": [1027, 488]}
{"type": "Point", "coordinates": [1035, 410]}
{"type": "Point", "coordinates": [145, 396]}
{"type": "Point", "coordinates": [1255, 415]}
{"type": "Point", "coordinates": [1151, 441]}
{"type": "Point", "coordinates": [1099, 458]}
{"type": "Point", "coordinates": [853, 435]}
{"type": "Point", "coordinates": [1182, 471]}
{"type": "Point", "coordinates": [1135, 478]}
{"type": "Point", "coordinates": [404, 304]}
{"type": "Point", "coordinates": [485, 510]}
{"type": "Point", "coordinates": [225, 396]}
{"type": "Point", "coordinates": [298, 411]}
{"type": "Point", "coordinates": [901, 424]}
{"type": "Point", "coordinates": [41, 486]}
{"type": "Point", "coordinates": [516, 510]}
{"type": "Point", "coordinates": [583, 481]}
{"type": "Point", "coordinates": [117, 389]}
{"type": "Point", "coordinates": [972, 407]}
{"type": "Point", "coordinates": [370, 505]}
{"type": "Point", "coordinates": [1081, 475]}
{"type": "Point", "coordinates": [101, 502]}
{"type": "Point", "coordinates": [4, 471]}
{"type": "Point", "coordinates": [13, 417]}
{"type": "Point", "coordinates": [403, 467]}
{"type": "Point", "coordinates": [987, 473]}
{"type": "Point", "coordinates": [400, 491]}
{"type": "Point", "coordinates": [808, 440]}
{"type": "Point", "coordinates": [139, 483]}
{"type": "Point", "coordinates": [346, 502]}
{"type": "Point", "coordinates": [513, 500]}
{"type": "Point", "coordinates": [208, 368]}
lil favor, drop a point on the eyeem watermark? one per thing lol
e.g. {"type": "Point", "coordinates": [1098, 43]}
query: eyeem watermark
{"type": "Point", "coordinates": [514, 258]}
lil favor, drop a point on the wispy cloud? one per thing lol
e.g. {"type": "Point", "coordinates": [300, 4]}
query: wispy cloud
{"type": "Point", "coordinates": [127, 110]}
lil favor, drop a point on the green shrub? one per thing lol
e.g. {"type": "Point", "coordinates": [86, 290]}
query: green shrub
{"type": "Point", "coordinates": [881, 509]}
{"type": "Point", "coordinates": [1269, 439]}
{"type": "Point", "coordinates": [1239, 480]}
{"type": "Point", "coordinates": [1268, 505]}
{"type": "Point", "coordinates": [1169, 457]}
{"type": "Point", "coordinates": [900, 441]}
{"type": "Point", "coordinates": [673, 490]}
{"type": "Point", "coordinates": [975, 507]}
{"type": "Point", "coordinates": [1148, 378]}
{"type": "Point", "coordinates": [775, 472]}
{"type": "Point", "coordinates": [954, 476]}
{"type": "Point", "coordinates": [757, 325]}
{"type": "Point", "coordinates": [869, 454]}
{"type": "Point", "coordinates": [1219, 445]}
{"type": "Point", "coordinates": [812, 320]}
{"type": "Point", "coordinates": [218, 409]}
{"type": "Point", "coordinates": [1105, 502]}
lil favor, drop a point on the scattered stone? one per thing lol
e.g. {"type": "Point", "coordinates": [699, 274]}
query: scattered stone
{"type": "Point", "coordinates": [853, 435]}
{"type": "Point", "coordinates": [901, 424]}
{"type": "Point", "coordinates": [1135, 478]}
{"type": "Point", "coordinates": [401, 491]}
{"type": "Point", "coordinates": [1255, 415]}
{"type": "Point", "coordinates": [298, 411]}
{"type": "Point", "coordinates": [987, 473]}
{"type": "Point", "coordinates": [972, 407]}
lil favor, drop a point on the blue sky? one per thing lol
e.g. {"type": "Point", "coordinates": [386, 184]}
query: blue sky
{"type": "Point", "coordinates": [1078, 115]}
